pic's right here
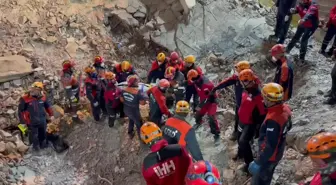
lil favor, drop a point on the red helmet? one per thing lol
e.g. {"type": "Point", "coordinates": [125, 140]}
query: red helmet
{"type": "Point", "coordinates": [278, 49]}
{"type": "Point", "coordinates": [202, 173]}
{"type": "Point", "coordinates": [174, 56]}
{"type": "Point", "coordinates": [67, 64]}
{"type": "Point", "coordinates": [98, 60]}
{"type": "Point", "coordinates": [163, 84]}
{"type": "Point", "coordinates": [132, 80]}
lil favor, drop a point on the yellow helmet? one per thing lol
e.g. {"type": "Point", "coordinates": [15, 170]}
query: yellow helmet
{"type": "Point", "coordinates": [149, 132]}
{"type": "Point", "coordinates": [190, 59]}
{"type": "Point", "coordinates": [272, 92]}
{"type": "Point", "coordinates": [89, 69]}
{"type": "Point", "coordinates": [242, 65]}
{"type": "Point", "coordinates": [125, 66]}
{"type": "Point", "coordinates": [37, 85]}
{"type": "Point", "coordinates": [182, 107]}
{"type": "Point", "coordinates": [110, 76]}
{"type": "Point", "coordinates": [161, 57]}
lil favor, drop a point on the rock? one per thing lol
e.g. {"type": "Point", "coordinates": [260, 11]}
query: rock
{"type": "Point", "coordinates": [21, 147]}
{"type": "Point", "coordinates": [51, 39]}
{"type": "Point", "coordinates": [177, 7]}
{"type": "Point", "coordinates": [10, 112]}
{"type": "Point", "coordinates": [5, 134]}
{"type": "Point", "coordinates": [22, 19]}
{"type": "Point", "coordinates": [2, 146]}
{"type": "Point", "coordinates": [126, 18]}
{"type": "Point", "coordinates": [29, 176]}
{"type": "Point", "coordinates": [131, 9]}
{"type": "Point", "coordinates": [17, 83]}
{"type": "Point", "coordinates": [13, 67]}
{"type": "Point", "coordinates": [302, 122]}
{"type": "Point", "coordinates": [298, 175]}
{"type": "Point", "coordinates": [71, 47]}
{"type": "Point", "coordinates": [228, 174]}
{"type": "Point", "coordinates": [10, 148]}
{"type": "Point", "coordinates": [143, 9]}
{"type": "Point", "coordinates": [2, 94]}
{"type": "Point", "coordinates": [139, 14]}
{"type": "Point", "coordinates": [9, 102]}
{"type": "Point", "coordinates": [169, 1]}
{"type": "Point", "coordinates": [122, 4]}
{"type": "Point", "coordinates": [320, 92]}
{"type": "Point", "coordinates": [6, 85]}
{"type": "Point", "coordinates": [53, 21]}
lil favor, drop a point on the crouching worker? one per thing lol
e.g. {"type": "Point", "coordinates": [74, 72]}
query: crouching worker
{"type": "Point", "coordinates": [32, 112]}
{"type": "Point", "coordinates": [157, 102]}
{"type": "Point", "coordinates": [166, 164]}
{"type": "Point", "coordinates": [272, 137]}
{"type": "Point", "coordinates": [112, 98]}
{"type": "Point", "coordinates": [322, 151]}
{"type": "Point", "coordinates": [93, 91]}
{"type": "Point", "coordinates": [132, 98]}
{"type": "Point", "coordinates": [178, 131]}
{"type": "Point", "coordinates": [202, 173]}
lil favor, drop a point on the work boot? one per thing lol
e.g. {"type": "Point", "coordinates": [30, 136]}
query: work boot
{"type": "Point", "coordinates": [330, 52]}
{"type": "Point", "coordinates": [327, 94]}
{"type": "Point", "coordinates": [234, 136]}
{"type": "Point", "coordinates": [322, 52]}
{"type": "Point", "coordinates": [330, 101]}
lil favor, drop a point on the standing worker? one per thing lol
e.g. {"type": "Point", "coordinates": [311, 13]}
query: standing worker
{"type": "Point", "coordinates": [175, 61]}
{"type": "Point", "coordinates": [202, 173]}
{"type": "Point", "coordinates": [284, 73]}
{"type": "Point", "coordinates": [72, 87]}
{"type": "Point", "coordinates": [309, 22]}
{"type": "Point", "coordinates": [251, 114]}
{"type": "Point", "coordinates": [330, 33]}
{"type": "Point", "coordinates": [175, 93]}
{"type": "Point", "coordinates": [283, 19]}
{"type": "Point", "coordinates": [208, 104]}
{"type": "Point", "coordinates": [166, 164]}
{"type": "Point", "coordinates": [189, 64]}
{"type": "Point", "coordinates": [234, 80]}
{"type": "Point", "coordinates": [93, 91]}
{"type": "Point", "coordinates": [32, 112]}
{"type": "Point", "coordinates": [158, 68]}
{"type": "Point", "coordinates": [132, 98]}
{"type": "Point", "coordinates": [273, 131]}
{"type": "Point", "coordinates": [123, 70]}
{"type": "Point", "coordinates": [100, 67]}
{"type": "Point", "coordinates": [112, 98]}
{"type": "Point", "coordinates": [178, 130]}
{"type": "Point", "coordinates": [157, 102]}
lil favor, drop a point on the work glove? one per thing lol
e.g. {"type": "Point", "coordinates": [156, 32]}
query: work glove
{"type": "Point", "coordinates": [292, 10]}
{"type": "Point", "coordinates": [286, 18]}
{"type": "Point", "coordinates": [73, 99]}
{"type": "Point", "coordinates": [95, 104]}
{"type": "Point", "coordinates": [253, 168]}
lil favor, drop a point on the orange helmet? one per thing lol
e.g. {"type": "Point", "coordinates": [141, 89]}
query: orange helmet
{"type": "Point", "coordinates": [170, 73]}
{"type": "Point", "coordinates": [163, 84]}
{"type": "Point", "coordinates": [246, 75]}
{"type": "Point", "coordinates": [150, 132]}
{"type": "Point", "coordinates": [89, 69]}
{"type": "Point", "coordinates": [98, 60]}
{"type": "Point", "coordinates": [132, 80]}
{"type": "Point", "coordinates": [242, 65]}
{"type": "Point", "coordinates": [321, 145]}
{"type": "Point", "coordinates": [125, 66]}
{"type": "Point", "coordinates": [278, 49]}
{"type": "Point", "coordinates": [182, 107]}
{"type": "Point", "coordinates": [110, 76]}
{"type": "Point", "coordinates": [192, 74]}
{"type": "Point", "coordinates": [67, 64]}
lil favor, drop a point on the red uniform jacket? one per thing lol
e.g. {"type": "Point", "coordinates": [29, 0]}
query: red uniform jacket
{"type": "Point", "coordinates": [93, 89]}
{"type": "Point", "coordinates": [112, 96]}
{"type": "Point", "coordinates": [166, 164]}
{"type": "Point", "coordinates": [332, 17]}
{"type": "Point", "coordinates": [178, 65]}
{"type": "Point", "coordinates": [252, 109]}
{"type": "Point", "coordinates": [204, 88]}
{"type": "Point", "coordinates": [159, 101]}
{"type": "Point", "coordinates": [310, 15]}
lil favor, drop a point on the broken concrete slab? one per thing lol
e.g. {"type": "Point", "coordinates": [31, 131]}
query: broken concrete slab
{"type": "Point", "coordinates": [131, 9]}
{"type": "Point", "coordinates": [122, 3]}
{"type": "Point", "coordinates": [126, 18]}
{"type": "Point", "coordinates": [71, 47]}
{"type": "Point", "coordinates": [14, 67]}
{"type": "Point", "coordinates": [139, 14]}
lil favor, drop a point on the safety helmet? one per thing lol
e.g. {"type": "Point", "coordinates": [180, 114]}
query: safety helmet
{"type": "Point", "coordinates": [246, 75]}
{"type": "Point", "coordinates": [37, 85]}
{"type": "Point", "coordinates": [202, 173]}
{"type": "Point", "coordinates": [150, 132]}
{"type": "Point", "coordinates": [170, 73]}
{"type": "Point", "coordinates": [132, 80]}
{"type": "Point", "coordinates": [322, 145]}
{"type": "Point", "coordinates": [182, 107]}
{"type": "Point", "coordinates": [164, 84]}
{"type": "Point", "coordinates": [242, 65]}
{"type": "Point", "coordinates": [174, 56]}
{"type": "Point", "coordinates": [161, 57]}
{"type": "Point", "coordinates": [110, 76]}
{"type": "Point", "coordinates": [67, 64]}
{"type": "Point", "coordinates": [125, 66]}
{"type": "Point", "coordinates": [278, 49]}
{"type": "Point", "coordinates": [192, 74]}
{"type": "Point", "coordinates": [190, 59]}
{"type": "Point", "coordinates": [89, 69]}
{"type": "Point", "coordinates": [98, 60]}
{"type": "Point", "coordinates": [272, 92]}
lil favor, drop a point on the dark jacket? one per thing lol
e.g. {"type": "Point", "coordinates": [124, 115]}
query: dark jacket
{"type": "Point", "coordinates": [273, 131]}
{"type": "Point", "coordinates": [284, 76]}
{"type": "Point", "coordinates": [284, 6]}
{"type": "Point", "coordinates": [132, 98]}
{"type": "Point", "coordinates": [233, 80]}
{"type": "Point", "coordinates": [186, 69]}
{"type": "Point", "coordinates": [310, 15]}
{"type": "Point", "coordinates": [32, 110]}
{"type": "Point", "coordinates": [156, 72]}
{"type": "Point", "coordinates": [166, 164]}
{"type": "Point", "coordinates": [178, 131]}
{"type": "Point", "coordinates": [122, 76]}
{"type": "Point", "coordinates": [93, 89]}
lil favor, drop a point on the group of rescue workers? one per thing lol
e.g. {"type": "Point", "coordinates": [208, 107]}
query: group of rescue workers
{"type": "Point", "coordinates": [176, 158]}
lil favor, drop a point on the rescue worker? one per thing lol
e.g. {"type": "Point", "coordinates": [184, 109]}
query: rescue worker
{"type": "Point", "coordinates": [71, 85]}
{"type": "Point", "coordinates": [166, 164]}
{"type": "Point", "coordinates": [189, 64]}
{"type": "Point", "coordinates": [284, 73]}
{"type": "Point", "coordinates": [175, 61]}
{"type": "Point", "coordinates": [272, 137]}
{"type": "Point", "coordinates": [322, 151]}
{"type": "Point", "coordinates": [112, 98]}
{"type": "Point", "coordinates": [123, 70]}
{"type": "Point", "coordinates": [208, 104]}
{"type": "Point", "coordinates": [202, 173]}
{"type": "Point", "coordinates": [131, 97]}
{"type": "Point", "coordinates": [251, 114]}
{"type": "Point", "coordinates": [158, 68]}
{"type": "Point", "coordinates": [93, 91]}
{"type": "Point", "coordinates": [331, 94]}
{"type": "Point", "coordinates": [32, 109]}
{"type": "Point", "coordinates": [157, 102]}
{"type": "Point", "coordinates": [331, 25]}
{"type": "Point", "coordinates": [176, 79]}
{"type": "Point", "coordinates": [283, 19]}
{"type": "Point", "coordinates": [100, 67]}
{"type": "Point", "coordinates": [179, 131]}
{"type": "Point", "coordinates": [309, 22]}
{"type": "Point", "coordinates": [234, 80]}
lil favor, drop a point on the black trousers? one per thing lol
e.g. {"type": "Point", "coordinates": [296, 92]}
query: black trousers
{"type": "Point", "coordinates": [281, 27]}
{"type": "Point", "coordinates": [327, 38]}
{"type": "Point", "coordinates": [245, 135]}
{"type": "Point", "coordinates": [304, 34]}
{"type": "Point", "coordinates": [38, 135]}
{"type": "Point", "coordinates": [333, 80]}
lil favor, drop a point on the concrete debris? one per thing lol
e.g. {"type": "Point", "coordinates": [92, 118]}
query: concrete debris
{"type": "Point", "coordinates": [131, 9]}
{"type": "Point", "coordinates": [126, 18]}
{"type": "Point", "coordinates": [14, 67]}
{"type": "Point", "coordinates": [139, 14]}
